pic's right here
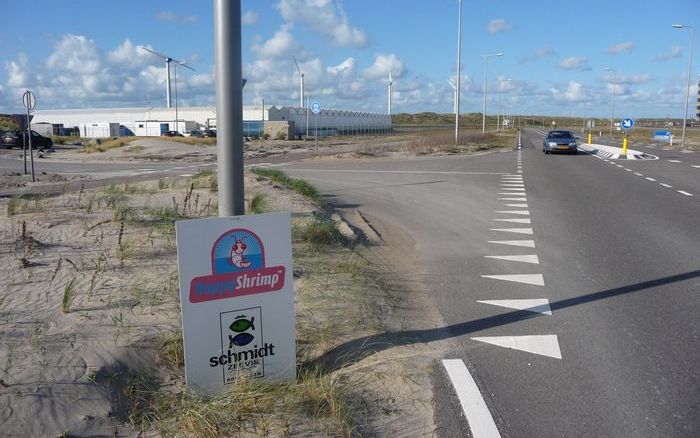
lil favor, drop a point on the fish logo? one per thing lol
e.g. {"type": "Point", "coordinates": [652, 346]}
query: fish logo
{"type": "Point", "coordinates": [240, 325]}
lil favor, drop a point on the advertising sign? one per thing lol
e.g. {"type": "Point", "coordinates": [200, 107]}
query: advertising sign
{"type": "Point", "coordinates": [237, 299]}
{"type": "Point", "coordinates": [662, 135]}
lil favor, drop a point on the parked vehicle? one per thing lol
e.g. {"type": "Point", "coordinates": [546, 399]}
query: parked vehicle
{"type": "Point", "coordinates": [171, 134]}
{"type": "Point", "coordinates": [559, 141]}
{"type": "Point", "coordinates": [209, 133]}
{"type": "Point", "coordinates": [16, 139]}
{"type": "Point", "coordinates": [194, 133]}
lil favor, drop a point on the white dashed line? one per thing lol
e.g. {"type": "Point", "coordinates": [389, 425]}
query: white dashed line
{"type": "Point", "coordinates": [674, 161]}
{"type": "Point", "coordinates": [629, 170]}
{"type": "Point", "coordinates": [650, 179]}
{"type": "Point", "coordinates": [665, 185]}
{"type": "Point", "coordinates": [473, 405]}
{"type": "Point", "coordinates": [693, 165]}
{"type": "Point", "coordinates": [682, 192]}
{"type": "Point", "coordinates": [620, 166]}
{"type": "Point", "coordinates": [638, 174]}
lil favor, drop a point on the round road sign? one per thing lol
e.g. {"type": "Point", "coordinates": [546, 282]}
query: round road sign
{"type": "Point", "coordinates": [315, 107]}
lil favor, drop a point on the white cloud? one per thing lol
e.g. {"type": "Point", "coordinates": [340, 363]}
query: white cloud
{"type": "Point", "coordinates": [575, 63]}
{"type": "Point", "coordinates": [629, 79]}
{"type": "Point", "coordinates": [621, 48]}
{"type": "Point", "coordinates": [345, 68]}
{"type": "Point", "coordinates": [676, 52]}
{"type": "Point", "coordinates": [281, 44]}
{"type": "Point", "coordinates": [17, 72]}
{"type": "Point", "coordinates": [326, 17]}
{"type": "Point", "coordinates": [176, 18]}
{"type": "Point", "coordinates": [497, 25]}
{"type": "Point", "coordinates": [381, 66]}
{"type": "Point", "coordinates": [538, 54]}
{"type": "Point", "coordinates": [249, 17]}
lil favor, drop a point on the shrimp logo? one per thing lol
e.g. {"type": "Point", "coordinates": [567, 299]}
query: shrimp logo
{"type": "Point", "coordinates": [238, 268]}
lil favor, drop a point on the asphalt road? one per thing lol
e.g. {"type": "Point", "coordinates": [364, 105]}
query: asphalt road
{"type": "Point", "coordinates": [614, 255]}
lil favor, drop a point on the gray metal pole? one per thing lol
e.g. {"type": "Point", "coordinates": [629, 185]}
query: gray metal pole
{"type": "Point", "coordinates": [229, 106]}
{"type": "Point", "coordinates": [612, 116]}
{"type": "Point", "coordinates": [687, 87]}
{"type": "Point", "coordinates": [168, 101]}
{"type": "Point", "coordinates": [459, 72]}
{"type": "Point", "coordinates": [31, 150]}
{"type": "Point", "coordinates": [483, 116]}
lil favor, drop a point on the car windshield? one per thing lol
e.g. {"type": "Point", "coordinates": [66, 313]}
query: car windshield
{"type": "Point", "coordinates": [560, 134]}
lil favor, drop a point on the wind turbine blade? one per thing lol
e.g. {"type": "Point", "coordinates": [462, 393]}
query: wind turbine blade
{"type": "Point", "coordinates": [184, 64]}
{"type": "Point", "coordinates": [154, 52]}
{"type": "Point", "coordinates": [453, 85]}
{"type": "Point", "coordinates": [297, 64]}
{"type": "Point", "coordinates": [390, 81]}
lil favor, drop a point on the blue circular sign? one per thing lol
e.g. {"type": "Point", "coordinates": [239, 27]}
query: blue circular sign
{"type": "Point", "coordinates": [316, 107]}
{"type": "Point", "coordinates": [627, 123]}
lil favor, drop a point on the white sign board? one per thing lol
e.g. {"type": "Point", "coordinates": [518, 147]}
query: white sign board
{"type": "Point", "coordinates": [237, 299]}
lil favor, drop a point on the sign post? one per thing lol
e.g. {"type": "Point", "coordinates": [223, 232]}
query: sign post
{"type": "Point", "coordinates": [29, 102]}
{"type": "Point", "coordinates": [237, 299]}
{"type": "Point", "coordinates": [626, 124]}
{"type": "Point", "coordinates": [316, 108]}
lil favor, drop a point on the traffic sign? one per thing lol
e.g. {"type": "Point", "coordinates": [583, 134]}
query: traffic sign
{"type": "Point", "coordinates": [315, 107]}
{"type": "Point", "coordinates": [29, 100]}
{"type": "Point", "coordinates": [627, 123]}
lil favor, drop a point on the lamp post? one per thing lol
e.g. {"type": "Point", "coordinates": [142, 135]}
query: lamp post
{"type": "Point", "coordinates": [500, 89]}
{"type": "Point", "coordinates": [486, 72]}
{"type": "Point", "coordinates": [459, 72]}
{"type": "Point", "coordinates": [612, 113]}
{"type": "Point", "coordinates": [687, 85]}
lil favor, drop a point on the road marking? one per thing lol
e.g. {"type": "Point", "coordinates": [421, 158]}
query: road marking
{"type": "Point", "coordinates": [629, 170]}
{"type": "Point", "coordinates": [665, 185]}
{"type": "Point", "coordinates": [638, 174]}
{"type": "Point", "coordinates": [513, 199]}
{"type": "Point", "coordinates": [514, 230]}
{"type": "Point", "coordinates": [473, 405]}
{"type": "Point", "coordinates": [533, 259]}
{"type": "Point", "coordinates": [533, 279]}
{"type": "Point", "coordinates": [523, 243]}
{"type": "Point", "coordinates": [417, 172]}
{"type": "Point", "coordinates": [650, 179]}
{"type": "Point", "coordinates": [186, 174]}
{"type": "Point", "coordinates": [517, 205]}
{"type": "Point", "coordinates": [513, 189]}
{"type": "Point", "coordinates": [693, 165]}
{"type": "Point", "coordinates": [539, 305]}
{"type": "Point", "coordinates": [682, 192]}
{"type": "Point", "coordinates": [522, 212]}
{"type": "Point", "coordinates": [619, 165]}
{"type": "Point", "coordinates": [512, 185]}
{"type": "Point", "coordinates": [515, 221]}
{"type": "Point", "coordinates": [545, 345]}
{"type": "Point", "coordinates": [674, 161]}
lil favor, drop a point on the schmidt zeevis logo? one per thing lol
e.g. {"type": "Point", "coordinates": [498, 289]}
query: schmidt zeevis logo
{"type": "Point", "coordinates": [238, 268]}
{"type": "Point", "coordinates": [242, 346]}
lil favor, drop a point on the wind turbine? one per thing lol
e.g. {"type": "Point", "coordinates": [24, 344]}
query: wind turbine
{"type": "Point", "coordinates": [389, 91]}
{"type": "Point", "coordinates": [168, 60]}
{"type": "Point", "coordinates": [455, 95]}
{"type": "Point", "coordinates": [301, 83]}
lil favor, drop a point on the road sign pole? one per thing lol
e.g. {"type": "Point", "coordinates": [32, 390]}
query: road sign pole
{"type": "Point", "coordinates": [624, 144]}
{"type": "Point", "coordinates": [229, 109]}
{"type": "Point", "coordinates": [316, 132]}
{"type": "Point", "coordinates": [29, 102]}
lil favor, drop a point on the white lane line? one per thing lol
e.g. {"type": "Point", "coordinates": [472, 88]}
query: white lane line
{"type": "Point", "coordinates": [638, 174]}
{"type": "Point", "coordinates": [650, 179]}
{"type": "Point", "coordinates": [473, 405]}
{"type": "Point", "coordinates": [629, 170]}
{"type": "Point", "coordinates": [539, 305]}
{"type": "Point", "coordinates": [416, 172]}
{"type": "Point", "coordinates": [514, 230]}
{"type": "Point", "coordinates": [683, 192]}
{"type": "Point", "coordinates": [523, 243]}
{"type": "Point", "coordinates": [513, 199]}
{"type": "Point", "coordinates": [665, 185]}
{"type": "Point", "coordinates": [516, 205]}
{"type": "Point", "coordinates": [693, 165]}
{"type": "Point", "coordinates": [545, 345]}
{"type": "Point", "coordinates": [530, 258]}
{"type": "Point", "coordinates": [515, 221]}
{"type": "Point", "coordinates": [186, 174]}
{"type": "Point", "coordinates": [619, 165]}
{"type": "Point", "coordinates": [533, 279]}
{"type": "Point", "coordinates": [674, 161]}
{"type": "Point", "coordinates": [521, 212]}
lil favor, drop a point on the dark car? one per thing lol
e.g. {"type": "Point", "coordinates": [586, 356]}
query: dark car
{"type": "Point", "coordinates": [560, 141]}
{"type": "Point", "coordinates": [209, 133]}
{"type": "Point", "coordinates": [171, 134]}
{"type": "Point", "coordinates": [16, 139]}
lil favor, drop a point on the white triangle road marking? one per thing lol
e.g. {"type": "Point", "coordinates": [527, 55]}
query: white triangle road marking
{"type": "Point", "coordinates": [533, 279]}
{"type": "Point", "coordinates": [512, 185]}
{"type": "Point", "coordinates": [545, 345]}
{"type": "Point", "coordinates": [523, 243]}
{"type": "Point", "coordinates": [522, 212]}
{"type": "Point", "coordinates": [514, 230]}
{"type": "Point", "coordinates": [513, 199]}
{"type": "Point", "coordinates": [513, 189]}
{"type": "Point", "coordinates": [515, 221]}
{"type": "Point", "coordinates": [517, 205]}
{"type": "Point", "coordinates": [539, 305]}
{"type": "Point", "coordinates": [518, 258]}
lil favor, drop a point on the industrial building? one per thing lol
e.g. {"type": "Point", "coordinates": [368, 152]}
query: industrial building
{"type": "Point", "coordinates": [282, 122]}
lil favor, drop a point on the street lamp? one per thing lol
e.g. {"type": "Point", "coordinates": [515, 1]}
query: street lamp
{"type": "Point", "coordinates": [612, 113]}
{"type": "Point", "coordinates": [486, 72]}
{"type": "Point", "coordinates": [687, 85]}
{"type": "Point", "coordinates": [459, 72]}
{"type": "Point", "coordinates": [500, 89]}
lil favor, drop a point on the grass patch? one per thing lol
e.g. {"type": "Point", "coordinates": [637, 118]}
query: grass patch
{"type": "Point", "coordinates": [298, 185]}
{"type": "Point", "coordinates": [258, 204]}
{"type": "Point", "coordinates": [319, 231]}
{"type": "Point", "coordinates": [68, 295]}
{"type": "Point", "coordinates": [104, 146]}
{"type": "Point", "coordinates": [195, 141]}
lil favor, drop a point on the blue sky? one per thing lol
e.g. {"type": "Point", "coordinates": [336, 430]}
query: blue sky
{"type": "Point", "coordinates": [85, 54]}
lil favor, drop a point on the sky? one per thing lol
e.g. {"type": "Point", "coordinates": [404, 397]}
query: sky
{"type": "Point", "coordinates": [85, 54]}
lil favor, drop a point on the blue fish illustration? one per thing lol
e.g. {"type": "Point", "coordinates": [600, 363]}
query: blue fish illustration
{"type": "Point", "coordinates": [240, 339]}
